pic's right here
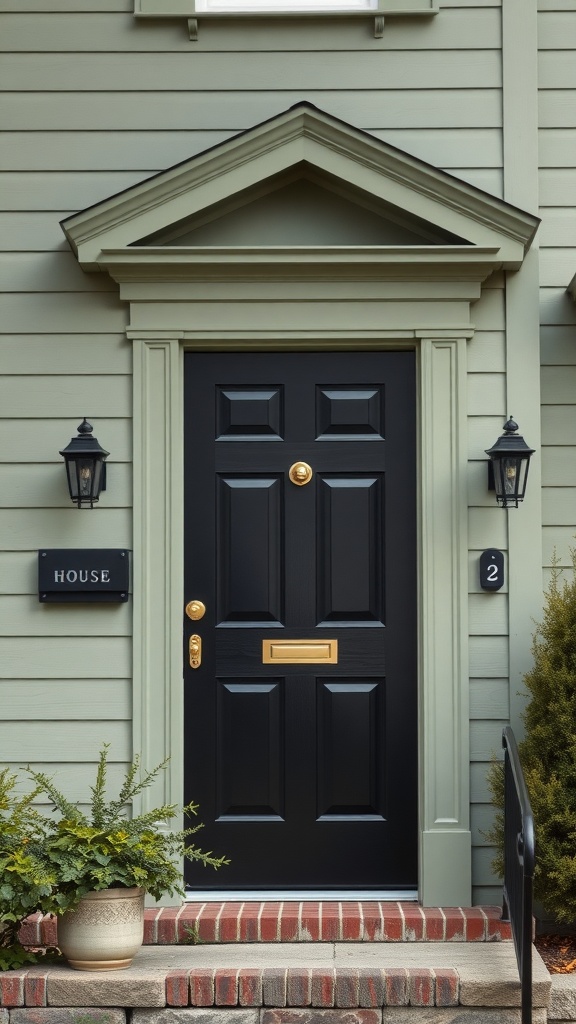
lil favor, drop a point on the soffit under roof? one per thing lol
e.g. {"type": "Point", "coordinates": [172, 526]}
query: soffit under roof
{"type": "Point", "coordinates": [161, 221]}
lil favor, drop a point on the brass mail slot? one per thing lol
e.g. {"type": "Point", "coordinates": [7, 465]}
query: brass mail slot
{"type": "Point", "coordinates": [299, 652]}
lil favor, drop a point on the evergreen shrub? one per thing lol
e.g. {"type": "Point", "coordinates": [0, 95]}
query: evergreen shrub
{"type": "Point", "coordinates": [548, 751]}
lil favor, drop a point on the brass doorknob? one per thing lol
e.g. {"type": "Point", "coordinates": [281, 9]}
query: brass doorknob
{"type": "Point", "coordinates": [195, 610]}
{"type": "Point", "coordinates": [300, 473]}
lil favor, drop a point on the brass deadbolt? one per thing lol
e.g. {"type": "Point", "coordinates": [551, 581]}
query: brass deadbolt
{"type": "Point", "coordinates": [300, 473]}
{"type": "Point", "coordinates": [195, 651]}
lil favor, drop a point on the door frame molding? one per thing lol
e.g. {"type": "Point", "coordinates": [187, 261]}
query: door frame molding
{"type": "Point", "coordinates": [308, 296]}
{"type": "Point", "coordinates": [445, 840]}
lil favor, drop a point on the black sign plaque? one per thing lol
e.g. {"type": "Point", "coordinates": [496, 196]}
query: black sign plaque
{"type": "Point", "coordinates": [83, 574]}
{"type": "Point", "coordinates": [491, 570]}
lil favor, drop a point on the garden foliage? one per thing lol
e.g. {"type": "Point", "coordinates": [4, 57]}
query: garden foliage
{"type": "Point", "coordinates": [27, 879]}
{"type": "Point", "coordinates": [48, 864]}
{"type": "Point", "coordinates": [107, 849]}
{"type": "Point", "coordinates": [548, 751]}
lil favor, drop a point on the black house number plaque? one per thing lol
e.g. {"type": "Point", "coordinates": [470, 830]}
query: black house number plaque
{"type": "Point", "coordinates": [491, 570]}
{"type": "Point", "coordinates": [83, 574]}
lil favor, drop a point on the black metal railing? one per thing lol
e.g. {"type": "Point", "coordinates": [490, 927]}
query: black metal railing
{"type": "Point", "coordinates": [519, 856]}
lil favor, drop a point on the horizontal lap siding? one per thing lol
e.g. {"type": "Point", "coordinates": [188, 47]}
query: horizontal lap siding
{"type": "Point", "coordinates": [65, 670]}
{"type": "Point", "coordinates": [20, 486]}
{"type": "Point", "coordinates": [557, 145]}
{"type": "Point", "coordinates": [23, 394]}
{"type": "Point", "coordinates": [108, 32]}
{"type": "Point", "coordinates": [143, 150]}
{"type": "Point", "coordinates": [65, 675]}
{"type": "Point", "coordinates": [487, 612]}
{"type": "Point", "coordinates": [63, 741]}
{"type": "Point", "coordinates": [21, 441]}
{"type": "Point", "coordinates": [98, 101]}
{"type": "Point", "coordinates": [419, 87]}
{"type": "Point", "coordinates": [557, 241]}
{"type": "Point", "coordinates": [368, 108]}
{"type": "Point", "coordinates": [216, 73]}
{"type": "Point", "coordinates": [557, 150]}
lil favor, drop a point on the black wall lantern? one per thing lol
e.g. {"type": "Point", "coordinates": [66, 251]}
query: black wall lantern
{"type": "Point", "coordinates": [508, 466]}
{"type": "Point", "coordinates": [85, 466]}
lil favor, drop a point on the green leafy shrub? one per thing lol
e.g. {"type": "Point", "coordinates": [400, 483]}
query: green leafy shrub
{"type": "Point", "coordinates": [27, 878]}
{"type": "Point", "coordinates": [548, 751]}
{"type": "Point", "coordinates": [48, 864]}
{"type": "Point", "coordinates": [108, 849]}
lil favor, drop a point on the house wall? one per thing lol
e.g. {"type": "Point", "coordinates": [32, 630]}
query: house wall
{"type": "Point", "coordinates": [556, 245]}
{"type": "Point", "coordinates": [488, 612]}
{"type": "Point", "coordinates": [557, 150]}
{"type": "Point", "coordinates": [98, 102]}
{"type": "Point", "coordinates": [65, 672]}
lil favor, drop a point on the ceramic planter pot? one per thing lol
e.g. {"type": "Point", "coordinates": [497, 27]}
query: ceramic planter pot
{"type": "Point", "coordinates": [105, 931]}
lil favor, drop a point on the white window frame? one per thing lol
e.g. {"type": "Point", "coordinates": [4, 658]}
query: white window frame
{"type": "Point", "coordinates": [194, 10]}
{"type": "Point", "coordinates": [283, 6]}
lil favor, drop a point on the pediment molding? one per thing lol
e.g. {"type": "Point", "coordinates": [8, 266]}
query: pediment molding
{"type": "Point", "coordinates": [302, 137]}
{"type": "Point", "coordinates": [378, 263]}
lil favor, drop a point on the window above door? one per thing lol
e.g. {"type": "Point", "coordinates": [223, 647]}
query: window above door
{"type": "Point", "coordinates": [190, 8]}
{"type": "Point", "coordinates": [196, 9]}
{"type": "Point", "coordinates": [283, 6]}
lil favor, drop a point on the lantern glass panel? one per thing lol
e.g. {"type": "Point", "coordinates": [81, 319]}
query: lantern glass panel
{"type": "Point", "coordinates": [498, 484]}
{"type": "Point", "coordinates": [522, 477]}
{"type": "Point", "coordinates": [72, 479]}
{"type": "Point", "coordinates": [84, 475]}
{"type": "Point", "coordinates": [85, 471]}
{"type": "Point", "coordinates": [510, 475]}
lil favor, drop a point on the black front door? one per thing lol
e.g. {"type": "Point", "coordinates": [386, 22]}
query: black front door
{"type": "Point", "coordinates": [301, 717]}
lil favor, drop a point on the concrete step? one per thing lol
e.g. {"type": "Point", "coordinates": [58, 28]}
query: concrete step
{"type": "Point", "coordinates": [292, 983]}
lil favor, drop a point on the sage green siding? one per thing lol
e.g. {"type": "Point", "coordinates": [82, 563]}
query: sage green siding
{"type": "Point", "coordinates": [65, 671]}
{"type": "Point", "coordinates": [557, 147]}
{"type": "Point", "coordinates": [95, 102]}
{"type": "Point", "coordinates": [557, 265]}
{"type": "Point", "coordinates": [488, 613]}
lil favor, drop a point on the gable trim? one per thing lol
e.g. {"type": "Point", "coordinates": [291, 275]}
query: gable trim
{"type": "Point", "coordinates": [302, 135]}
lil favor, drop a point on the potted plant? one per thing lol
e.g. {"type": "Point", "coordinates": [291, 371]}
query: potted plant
{"type": "Point", "coordinates": [105, 862]}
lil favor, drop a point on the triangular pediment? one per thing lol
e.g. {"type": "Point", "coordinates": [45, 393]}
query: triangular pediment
{"type": "Point", "coordinates": [303, 180]}
{"type": "Point", "coordinates": [302, 208]}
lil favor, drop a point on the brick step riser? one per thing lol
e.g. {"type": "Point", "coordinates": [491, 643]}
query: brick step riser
{"type": "Point", "coordinates": [365, 991]}
{"type": "Point", "coordinates": [302, 922]}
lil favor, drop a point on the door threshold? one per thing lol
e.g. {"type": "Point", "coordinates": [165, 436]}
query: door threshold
{"type": "Point", "coordinates": [302, 895]}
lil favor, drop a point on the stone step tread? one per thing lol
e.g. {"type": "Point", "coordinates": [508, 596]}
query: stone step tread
{"type": "Point", "coordinates": [320, 976]}
{"type": "Point", "coordinates": [314, 921]}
